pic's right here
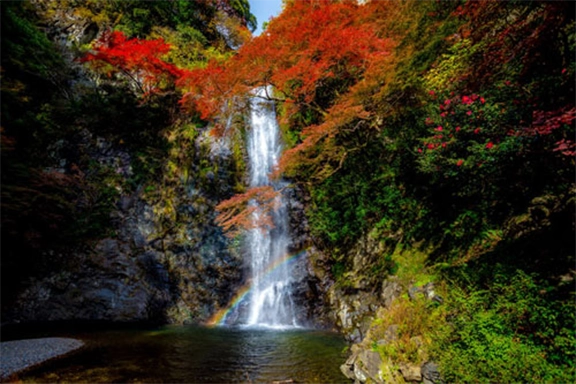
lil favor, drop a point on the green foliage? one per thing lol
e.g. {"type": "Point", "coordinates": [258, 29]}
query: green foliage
{"type": "Point", "coordinates": [513, 327]}
{"type": "Point", "coordinates": [409, 324]}
{"type": "Point", "coordinates": [24, 47]}
{"type": "Point", "coordinates": [140, 17]}
{"type": "Point", "coordinates": [470, 157]}
{"type": "Point", "coordinates": [460, 138]}
{"type": "Point", "coordinates": [455, 155]}
{"type": "Point", "coordinates": [32, 74]}
{"type": "Point", "coordinates": [453, 66]}
{"type": "Point", "coordinates": [353, 202]}
{"type": "Point", "coordinates": [338, 270]}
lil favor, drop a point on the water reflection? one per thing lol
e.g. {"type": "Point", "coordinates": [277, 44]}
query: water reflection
{"type": "Point", "coordinates": [199, 355]}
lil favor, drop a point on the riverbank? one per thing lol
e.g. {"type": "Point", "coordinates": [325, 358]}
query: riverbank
{"type": "Point", "coordinates": [18, 355]}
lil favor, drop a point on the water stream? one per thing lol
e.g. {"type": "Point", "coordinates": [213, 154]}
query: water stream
{"type": "Point", "coordinates": [270, 302]}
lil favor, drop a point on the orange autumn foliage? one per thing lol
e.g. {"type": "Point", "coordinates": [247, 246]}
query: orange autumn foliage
{"type": "Point", "coordinates": [322, 57]}
{"type": "Point", "coordinates": [318, 148]}
{"type": "Point", "coordinates": [317, 55]}
{"type": "Point", "coordinates": [311, 43]}
{"type": "Point", "coordinates": [247, 210]}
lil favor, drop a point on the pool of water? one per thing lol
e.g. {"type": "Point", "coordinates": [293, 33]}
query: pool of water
{"type": "Point", "coordinates": [190, 354]}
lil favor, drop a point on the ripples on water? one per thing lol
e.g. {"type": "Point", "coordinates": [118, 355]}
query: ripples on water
{"type": "Point", "coordinates": [199, 355]}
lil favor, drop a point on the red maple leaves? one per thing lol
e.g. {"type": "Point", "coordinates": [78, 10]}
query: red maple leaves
{"type": "Point", "coordinates": [139, 60]}
{"type": "Point", "coordinates": [544, 123]}
{"type": "Point", "coordinates": [303, 49]}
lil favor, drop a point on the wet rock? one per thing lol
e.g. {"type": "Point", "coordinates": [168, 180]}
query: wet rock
{"type": "Point", "coordinates": [308, 293]}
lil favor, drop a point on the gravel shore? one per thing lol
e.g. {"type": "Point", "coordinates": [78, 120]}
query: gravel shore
{"type": "Point", "coordinates": [18, 355]}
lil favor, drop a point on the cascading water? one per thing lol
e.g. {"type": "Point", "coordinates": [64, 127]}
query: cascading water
{"type": "Point", "coordinates": [270, 302]}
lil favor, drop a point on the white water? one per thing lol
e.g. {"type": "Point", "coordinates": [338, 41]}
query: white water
{"type": "Point", "coordinates": [270, 302]}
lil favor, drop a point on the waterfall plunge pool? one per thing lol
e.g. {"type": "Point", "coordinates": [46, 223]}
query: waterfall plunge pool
{"type": "Point", "coordinates": [272, 349]}
{"type": "Point", "coordinates": [192, 354]}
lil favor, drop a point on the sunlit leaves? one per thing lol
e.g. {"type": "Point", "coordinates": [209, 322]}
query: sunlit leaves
{"type": "Point", "coordinates": [140, 60]}
{"type": "Point", "coordinates": [310, 43]}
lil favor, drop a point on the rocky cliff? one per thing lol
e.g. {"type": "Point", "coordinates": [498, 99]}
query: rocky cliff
{"type": "Point", "coordinates": [154, 175]}
{"type": "Point", "coordinates": [145, 270]}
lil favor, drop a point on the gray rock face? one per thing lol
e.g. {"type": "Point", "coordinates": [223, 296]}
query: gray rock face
{"type": "Point", "coordinates": [312, 279]}
{"type": "Point", "coordinates": [368, 363]}
{"type": "Point", "coordinates": [148, 271]}
{"type": "Point", "coordinates": [366, 296]}
{"type": "Point", "coordinates": [354, 304]}
{"type": "Point", "coordinates": [347, 368]}
{"type": "Point", "coordinates": [427, 291]}
{"type": "Point", "coordinates": [152, 271]}
{"type": "Point", "coordinates": [155, 265]}
{"type": "Point", "coordinates": [107, 285]}
{"type": "Point", "coordinates": [307, 293]}
{"type": "Point", "coordinates": [353, 312]}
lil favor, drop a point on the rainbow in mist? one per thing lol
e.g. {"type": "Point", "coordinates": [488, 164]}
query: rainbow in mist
{"type": "Point", "coordinates": [219, 318]}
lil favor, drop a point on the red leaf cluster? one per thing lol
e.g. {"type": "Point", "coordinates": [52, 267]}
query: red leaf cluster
{"type": "Point", "coordinates": [565, 147]}
{"type": "Point", "coordinates": [140, 60]}
{"type": "Point", "coordinates": [545, 122]}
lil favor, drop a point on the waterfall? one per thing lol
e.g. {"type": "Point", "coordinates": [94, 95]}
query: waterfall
{"type": "Point", "coordinates": [270, 302]}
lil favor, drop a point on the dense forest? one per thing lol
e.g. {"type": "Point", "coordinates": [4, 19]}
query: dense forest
{"type": "Point", "coordinates": [441, 131]}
